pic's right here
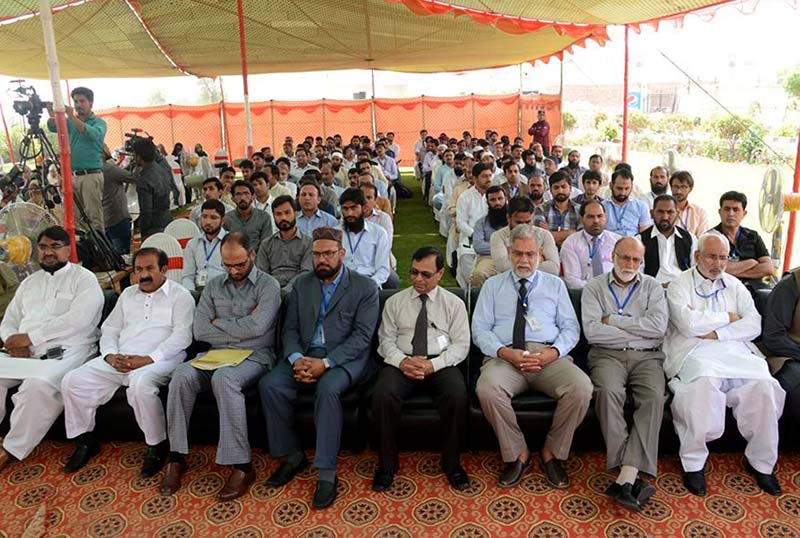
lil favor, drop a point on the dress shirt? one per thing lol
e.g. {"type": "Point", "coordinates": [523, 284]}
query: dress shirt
{"type": "Point", "coordinates": [694, 219]}
{"type": "Point", "coordinates": [320, 219]}
{"type": "Point", "coordinates": [244, 317]}
{"type": "Point", "coordinates": [551, 318]}
{"type": "Point", "coordinates": [641, 325]}
{"type": "Point", "coordinates": [448, 327]}
{"type": "Point", "coordinates": [197, 212]}
{"type": "Point", "coordinates": [367, 252]}
{"type": "Point", "coordinates": [395, 148]}
{"type": "Point", "coordinates": [327, 289]}
{"type": "Point", "coordinates": [429, 161]}
{"type": "Point", "coordinates": [419, 149]}
{"type": "Point", "coordinates": [62, 309]}
{"type": "Point", "coordinates": [698, 306]}
{"type": "Point", "coordinates": [575, 174]}
{"type": "Point", "coordinates": [470, 208]}
{"type": "Point", "coordinates": [382, 187]}
{"type": "Point", "coordinates": [581, 199]}
{"type": "Point", "coordinates": [284, 259]}
{"type": "Point", "coordinates": [280, 190]}
{"type": "Point", "coordinates": [296, 173]}
{"type": "Point", "coordinates": [460, 188]}
{"type": "Point", "coordinates": [749, 246]}
{"type": "Point", "coordinates": [627, 219]}
{"type": "Point", "coordinates": [668, 268]}
{"type": "Point", "coordinates": [558, 221]}
{"type": "Point", "coordinates": [291, 187]}
{"type": "Point", "coordinates": [439, 175]}
{"type": "Point", "coordinates": [257, 227]}
{"type": "Point", "coordinates": [575, 261]}
{"type": "Point", "coordinates": [158, 324]}
{"type": "Point", "coordinates": [266, 206]}
{"type": "Point", "coordinates": [202, 254]}
{"type": "Point", "coordinates": [87, 146]}
{"type": "Point", "coordinates": [548, 263]}
{"type": "Point", "coordinates": [482, 237]}
{"type": "Point", "coordinates": [384, 221]}
{"type": "Point", "coordinates": [389, 167]}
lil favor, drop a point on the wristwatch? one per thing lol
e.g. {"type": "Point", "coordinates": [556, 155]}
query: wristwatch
{"type": "Point", "coordinates": [327, 363]}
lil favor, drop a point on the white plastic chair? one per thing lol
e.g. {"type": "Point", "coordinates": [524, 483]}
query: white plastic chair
{"type": "Point", "coordinates": [182, 229]}
{"type": "Point", "coordinates": [174, 252]}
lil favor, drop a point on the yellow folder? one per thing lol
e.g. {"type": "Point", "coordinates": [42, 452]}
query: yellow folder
{"type": "Point", "coordinates": [217, 358]}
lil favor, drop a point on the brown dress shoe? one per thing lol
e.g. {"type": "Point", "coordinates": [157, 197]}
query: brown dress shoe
{"type": "Point", "coordinates": [172, 477]}
{"type": "Point", "coordinates": [237, 485]}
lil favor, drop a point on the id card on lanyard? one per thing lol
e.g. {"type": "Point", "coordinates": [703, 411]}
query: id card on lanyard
{"type": "Point", "coordinates": [619, 216]}
{"type": "Point", "coordinates": [621, 306]}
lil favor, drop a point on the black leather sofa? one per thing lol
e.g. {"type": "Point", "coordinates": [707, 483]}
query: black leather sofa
{"type": "Point", "coordinates": [420, 422]}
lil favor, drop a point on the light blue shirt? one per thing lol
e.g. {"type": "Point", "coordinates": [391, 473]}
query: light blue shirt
{"type": "Point", "coordinates": [368, 252]}
{"type": "Point", "coordinates": [626, 220]}
{"type": "Point", "coordinates": [318, 339]}
{"type": "Point", "coordinates": [321, 219]}
{"type": "Point", "coordinates": [389, 167]}
{"type": "Point", "coordinates": [438, 177]}
{"type": "Point", "coordinates": [202, 255]}
{"type": "Point", "coordinates": [551, 317]}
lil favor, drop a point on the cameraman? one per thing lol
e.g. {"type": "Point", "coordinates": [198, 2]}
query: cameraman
{"type": "Point", "coordinates": [153, 188]}
{"type": "Point", "coordinates": [87, 133]}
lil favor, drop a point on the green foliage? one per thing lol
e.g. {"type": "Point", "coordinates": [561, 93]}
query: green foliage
{"type": "Point", "coordinates": [792, 85]}
{"type": "Point", "coordinates": [608, 130]}
{"type": "Point", "coordinates": [638, 122]}
{"type": "Point", "coordinates": [676, 124]}
{"type": "Point", "coordinates": [599, 118]}
{"type": "Point", "coordinates": [569, 121]}
{"type": "Point", "coordinates": [786, 130]}
{"type": "Point", "coordinates": [17, 132]}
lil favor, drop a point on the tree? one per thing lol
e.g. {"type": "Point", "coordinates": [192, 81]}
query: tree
{"type": "Point", "coordinates": [569, 121]}
{"type": "Point", "coordinates": [209, 91]}
{"type": "Point", "coordinates": [158, 97]}
{"type": "Point", "coordinates": [792, 85]}
{"type": "Point", "coordinates": [743, 136]}
{"type": "Point", "coordinates": [637, 122]}
{"type": "Point", "coordinates": [599, 118]}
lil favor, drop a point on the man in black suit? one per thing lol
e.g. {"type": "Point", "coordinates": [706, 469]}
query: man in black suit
{"type": "Point", "coordinates": [331, 317]}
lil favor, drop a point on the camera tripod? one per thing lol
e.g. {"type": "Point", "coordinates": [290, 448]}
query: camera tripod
{"type": "Point", "coordinates": [36, 144]}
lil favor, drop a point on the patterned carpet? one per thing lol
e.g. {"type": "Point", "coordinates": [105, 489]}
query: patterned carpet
{"type": "Point", "coordinates": [108, 499]}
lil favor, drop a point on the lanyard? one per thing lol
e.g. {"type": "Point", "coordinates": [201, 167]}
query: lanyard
{"type": "Point", "coordinates": [621, 307]}
{"type": "Point", "coordinates": [713, 294]}
{"type": "Point", "coordinates": [349, 242]}
{"type": "Point", "coordinates": [618, 216]}
{"type": "Point", "coordinates": [684, 221]}
{"type": "Point", "coordinates": [561, 217]}
{"type": "Point", "coordinates": [213, 248]}
{"type": "Point", "coordinates": [735, 247]}
{"type": "Point", "coordinates": [531, 284]}
{"type": "Point", "coordinates": [593, 251]}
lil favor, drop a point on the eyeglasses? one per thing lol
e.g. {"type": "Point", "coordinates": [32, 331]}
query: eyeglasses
{"type": "Point", "coordinates": [236, 266]}
{"type": "Point", "coordinates": [427, 275]}
{"type": "Point", "coordinates": [713, 258]}
{"type": "Point", "coordinates": [629, 259]}
{"type": "Point", "coordinates": [52, 248]}
{"type": "Point", "coordinates": [328, 254]}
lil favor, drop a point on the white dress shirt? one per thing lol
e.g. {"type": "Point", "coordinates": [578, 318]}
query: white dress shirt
{"type": "Point", "coordinates": [202, 255]}
{"type": "Point", "coordinates": [367, 252]}
{"type": "Point", "coordinates": [470, 208]}
{"type": "Point", "coordinates": [668, 269]}
{"type": "Point", "coordinates": [158, 324]}
{"type": "Point", "coordinates": [266, 206]}
{"type": "Point", "coordinates": [575, 261]}
{"type": "Point", "coordinates": [62, 309]}
{"type": "Point", "coordinates": [448, 327]}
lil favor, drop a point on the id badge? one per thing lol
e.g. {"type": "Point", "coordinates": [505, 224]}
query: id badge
{"type": "Point", "coordinates": [443, 342]}
{"type": "Point", "coordinates": [201, 278]}
{"type": "Point", "coordinates": [55, 353]}
{"type": "Point", "coordinates": [533, 323]}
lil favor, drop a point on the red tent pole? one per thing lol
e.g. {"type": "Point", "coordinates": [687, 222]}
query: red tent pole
{"type": "Point", "coordinates": [8, 136]}
{"type": "Point", "coordinates": [625, 103]}
{"type": "Point", "coordinates": [61, 123]}
{"type": "Point", "coordinates": [787, 257]}
{"type": "Point", "coordinates": [243, 50]}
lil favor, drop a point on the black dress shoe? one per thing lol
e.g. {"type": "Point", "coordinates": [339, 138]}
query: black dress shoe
{"type": "Point", "coordinates": [695, 482]}
{"type": "Point", "coordinates": [382, 480]}
{"type": "Point", "coordinates": [285, 473]}
{"type": "Point", "coordinates": [458, 479]}
{"type": "Point", "coordinates": [555, 473]}
{"type": "Point", "coordinates": [154, 459]}
{"type": "Point", "coordinates": [83, 453]}
{"type": "Point", "coordinates": [512, 473]}
{"type": "Point", "coordinates": [623, 495]}
{"type": "Point", "coordinates": [324, 494]}
{"type": "Point", "coordinates": [767, 482]}
{"type": "Point", "coordinates": [643, 490]}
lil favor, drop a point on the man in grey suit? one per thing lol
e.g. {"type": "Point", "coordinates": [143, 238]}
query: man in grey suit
{"type": "Point", "coordinates": [331, 317]}
{"type": "Point", "coordinates": [238, 310]}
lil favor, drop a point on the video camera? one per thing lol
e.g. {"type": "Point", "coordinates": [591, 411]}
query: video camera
{"type": "Point", "coordinates": [29, 104]}
{"type": "Point", "coordinates": [131, 139]}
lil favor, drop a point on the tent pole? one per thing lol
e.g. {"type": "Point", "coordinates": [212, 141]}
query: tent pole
{"type": "Point", "coordinates": [519, 104]}
{"type": "Point", "coordinates": [625, 103]}
{"type": "Point", "coordinates": [243, 50]}
{"type": "Point", "coordinates": [787, 256]}
{"type": "Point", "coordinates": [61, 123]}
{"type": "Point", "coordinates": [8, 136]}
{"type": "Point", "coordinates": [223, 134]}
{"type": "Point", "coordinates": [374, 116]}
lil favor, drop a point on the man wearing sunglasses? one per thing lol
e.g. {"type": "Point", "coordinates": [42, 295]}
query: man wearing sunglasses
{"type": "Point", "coordinates": [49, 329]}
{"type": "Point", "coordinates": [424, 335]}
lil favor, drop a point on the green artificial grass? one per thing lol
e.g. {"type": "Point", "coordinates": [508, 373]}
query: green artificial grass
{"type": "Point", "coordinates": [414, 227]}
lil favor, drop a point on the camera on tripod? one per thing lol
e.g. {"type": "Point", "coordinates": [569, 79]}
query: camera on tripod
{"type": "Point", "coordinates": [131, 139]}
{"type": "Point", "coordinates": [29, 104]}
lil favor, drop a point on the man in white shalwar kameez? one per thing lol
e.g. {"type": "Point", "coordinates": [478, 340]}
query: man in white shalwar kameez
{"type": "Point", "coordinates": [50, 328]}
{"type": "Point", "coordinates": [711, 364]}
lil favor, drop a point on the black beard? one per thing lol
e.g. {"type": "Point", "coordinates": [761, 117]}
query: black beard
{"type": "Point", "coordinates": [573, 165]}
{"type": "Point", "coordinates": [664, 226]}
{"type": "Point", "coordinates": [285, 226]}
{"type": "Point", "coordinates": [536, 196]}
{"type": "Point", "coordinates": [458, 171]}
{"type": "Point", "coordinates": [497, 217]}
{"type": "Point", "coordinates": [324, 273]}
{"type": "Point", "coordinates": [658, 189]}
{"type": "Point", "coordinates": [356, 225]}
{"type": "Point", "coordinates": [52, 268]}
{"type": "Point", "coordinates": [622, 199]}
{"type": "Point", "coordinates": [561, 198]}
{"type": "Point", "coordinates": [215, 231]}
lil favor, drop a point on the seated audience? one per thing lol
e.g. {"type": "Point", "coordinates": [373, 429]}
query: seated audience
{"type": "Point", "coordinates": [560, 216]}
{"type": "Point", "coordinates": [212, 190]}
{"type": "Point", "coordinates": [286, 254]}
{"type": "Point", "coordinates": [625, 215]}
{"type": "Point", "coordinates": [254, 223]}
{"type": "Point", "coordinates": [588, 253]}
{"type": "Point", "coordinates": [201, 266]}
{"type": "Point", "coordinates": [482, 267]}
{"type": "Point", "coordinates": [366, 244]}
{"type": "Point", "coordinates": [669, 249]}
{"type": "Point", "coordinates": [520, 211]}
{"type": "Point", "coordinates": [691, 216]}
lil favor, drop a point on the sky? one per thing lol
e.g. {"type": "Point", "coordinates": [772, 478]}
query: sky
{"type": "Point", "coordinates": [747, 43]}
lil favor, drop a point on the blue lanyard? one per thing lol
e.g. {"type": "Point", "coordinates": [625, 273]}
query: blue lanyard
{"type": "Point", "coordinates": [685, 212]}
{"type": "Point", "coordinates": [617, 216]}
{"type": "Point", "coordinates": [213, 248]}
{"type": "Point", "coordinates": [736, 246]}
{"type": "Point", "coordinates": [349, 242]}
{"type": "Point", "coordinates": [531, 285]}
{"type": "Point", "coordinates": [621, 307]}
{"type": "Point", "coordinates": [560, 217]}
{"type": "Point", "coordinates": [593, 251]}
{"type": "Point", "coordinates": [713, 294]}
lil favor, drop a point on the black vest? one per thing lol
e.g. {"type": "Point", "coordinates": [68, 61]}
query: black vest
{"type": "Point", "coordinates": [683, 250]}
